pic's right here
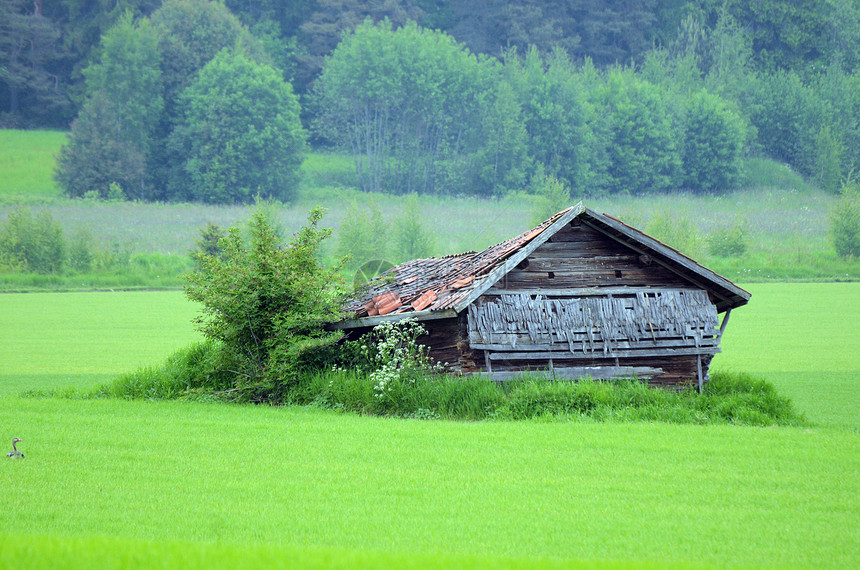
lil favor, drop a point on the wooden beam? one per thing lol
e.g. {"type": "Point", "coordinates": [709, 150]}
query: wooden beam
{"type": "Point", "coordinates": [725, 322]}
{"type": "Point", "coordinates": [699, 371]}
{"type": "Point", "coordinates": [578, 372]}
{"type": "Point", "coordinates": [559, 355]}
{"type": "Point", "coordinates": [373, 321]}
{"type": "Point", "coordinates": [562, 347]}
{"type": "Point", "coordinates": [582, 291]}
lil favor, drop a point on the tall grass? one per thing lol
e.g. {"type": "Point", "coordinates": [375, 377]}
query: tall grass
{"type": "Point", "coordinates": [734, 398]}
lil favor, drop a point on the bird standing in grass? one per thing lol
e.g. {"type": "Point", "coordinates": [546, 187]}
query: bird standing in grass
{"type": "Point", "coordinates": [15, 454]}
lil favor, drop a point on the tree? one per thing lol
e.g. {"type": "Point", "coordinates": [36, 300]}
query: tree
{"type": "Point", "coordinates": [554, 112]}
{"type": "Point", "coordinates": [331, 19]}
{"type": "Point", "coordinates": [714, 137]}
{"type": "Point", "coordinates": [407, 105]}
{"type": "Point", "coordinates": [239, 134]}
{"type": "Point", "coordinates": [31, 51]}
{"type": "Point", "coordinates": [363, 235]}
{"type": "Point", "coordinates": [190, 33]}
{"type": "Point", "coordinates": [98, 153]}
{"type": "Point", "coordinates": [411, 239]}
{"type": "Point", "coordinates": [113, 140]}
{"type": "Point", "coordinates": [128, 73]}
{"type": "Point", "coordinates": [786, 34]}
{"type": "Point", "coordinates": [643, 146]}
{"type": "Point", "coordinates": [501, 164]}
{"type": "Point", "coordinates": [267, 305]}
{"type": "Point", "coordinates": [788, 115]}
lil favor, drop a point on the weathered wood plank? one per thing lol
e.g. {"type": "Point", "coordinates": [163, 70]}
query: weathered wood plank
{"type": "Point", "coordinates": [580, 372]}
{"type": "Point", "coordinates": [710, 350]}
{"type": "Point", "coordinates": [587, 291]}
{"type": "Point", "coordinates": [564, 347]}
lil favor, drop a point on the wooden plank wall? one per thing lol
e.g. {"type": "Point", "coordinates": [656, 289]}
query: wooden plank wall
{"type": "Point", "coordinates": [580, 263]}
{"type": "Point", "coordinates": [579, 256]}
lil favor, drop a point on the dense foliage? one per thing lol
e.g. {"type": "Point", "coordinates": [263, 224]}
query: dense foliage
{"type": "Point", "coordinates": [609, 97]}
{"type": "Point", "coordinates": [238, 134]}
{"type": "Point", "coordinates": [266, 305]}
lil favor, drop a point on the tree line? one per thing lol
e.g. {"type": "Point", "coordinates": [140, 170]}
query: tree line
{"type": "Point", "coordinates": [212, 101]}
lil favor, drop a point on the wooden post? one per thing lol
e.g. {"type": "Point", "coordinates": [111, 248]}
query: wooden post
{"type": "Point", "coordinates": [699, 370]}
{"type": "Point", "coordinates": [725, 322]}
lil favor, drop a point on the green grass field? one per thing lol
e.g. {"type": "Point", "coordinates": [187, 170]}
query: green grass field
{"type": "Point", "coordinates": [189, 484]}
{"type": "Point", "coordinates": [27, 161]}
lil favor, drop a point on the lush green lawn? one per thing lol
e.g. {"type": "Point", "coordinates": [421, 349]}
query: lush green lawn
{"type": "Point", "coordinates": [168, 471]}
{"type": "Point", "coordinates": [27, 160]}
{"type": "Point", "coordinates": [53, 340]}
{"type": "Point", "coordinates": [185, 484]}
{"type": "Point", "coordinates": [804, 338]}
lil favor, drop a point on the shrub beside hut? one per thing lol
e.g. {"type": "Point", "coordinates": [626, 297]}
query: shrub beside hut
{"type": "Point", "coordinates": [582, 294]}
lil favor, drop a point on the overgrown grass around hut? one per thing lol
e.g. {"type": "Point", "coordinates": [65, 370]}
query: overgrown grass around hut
{"type": "Point", "coordinates": [729, 398]}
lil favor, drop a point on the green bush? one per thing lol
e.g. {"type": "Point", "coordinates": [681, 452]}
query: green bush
{"type": "Point", "coordinates": [81, 257]}
{"type": "Point", "coordinates": [363, 234]}
{"type": "Point", "coordinates": [412, 240]}
{"type": "Point", "coordinates": [845, 222]}
{"type": "Point", "coordinates": [267, 305]}
{"type": "Point", "coordinates": [551, 196]}
{"type": "Point", "coordinates": [32, 243]}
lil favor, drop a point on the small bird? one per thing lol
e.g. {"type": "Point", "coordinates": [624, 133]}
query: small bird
{"type": "Point", "coordinates": [15, 454]}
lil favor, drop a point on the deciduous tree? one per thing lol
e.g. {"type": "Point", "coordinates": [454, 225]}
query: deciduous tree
{"type": "Point", "coordinates": [239, 134]}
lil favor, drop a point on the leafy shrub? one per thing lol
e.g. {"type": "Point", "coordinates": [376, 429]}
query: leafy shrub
{"type": "Point", "coordinates": [267, 305]}
{"type": "Point", "coordinates": [32, 243]}
{"type": "Point", "coordinates": [729, 241]}
{"type": "Point", "coordinates": [551, 196]}
{"type": "Point", "coordinates": [363, 234]}
{"type": "Point", "coordinates": [209, 242]}
{"type": "Point", "coordinates": [845, 222]}
{"type": "Point", "coordinates": [81, 251]}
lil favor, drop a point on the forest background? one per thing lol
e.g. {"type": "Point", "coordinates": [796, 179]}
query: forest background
{"type": "Point", "coordinates": [618, 96]}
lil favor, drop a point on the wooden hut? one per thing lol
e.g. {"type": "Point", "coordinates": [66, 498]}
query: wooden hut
{"type": "Point", "coordinates": [582, 294]}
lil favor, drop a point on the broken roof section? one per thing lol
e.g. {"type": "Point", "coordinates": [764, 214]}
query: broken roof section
{"type": "Point", "coordinates": [440, 287]}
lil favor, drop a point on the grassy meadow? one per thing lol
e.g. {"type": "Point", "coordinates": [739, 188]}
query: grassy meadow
{"type": "Point", "coordinates": [189, 484]}
{"type": "Point", "coordinates": [27, 165]}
